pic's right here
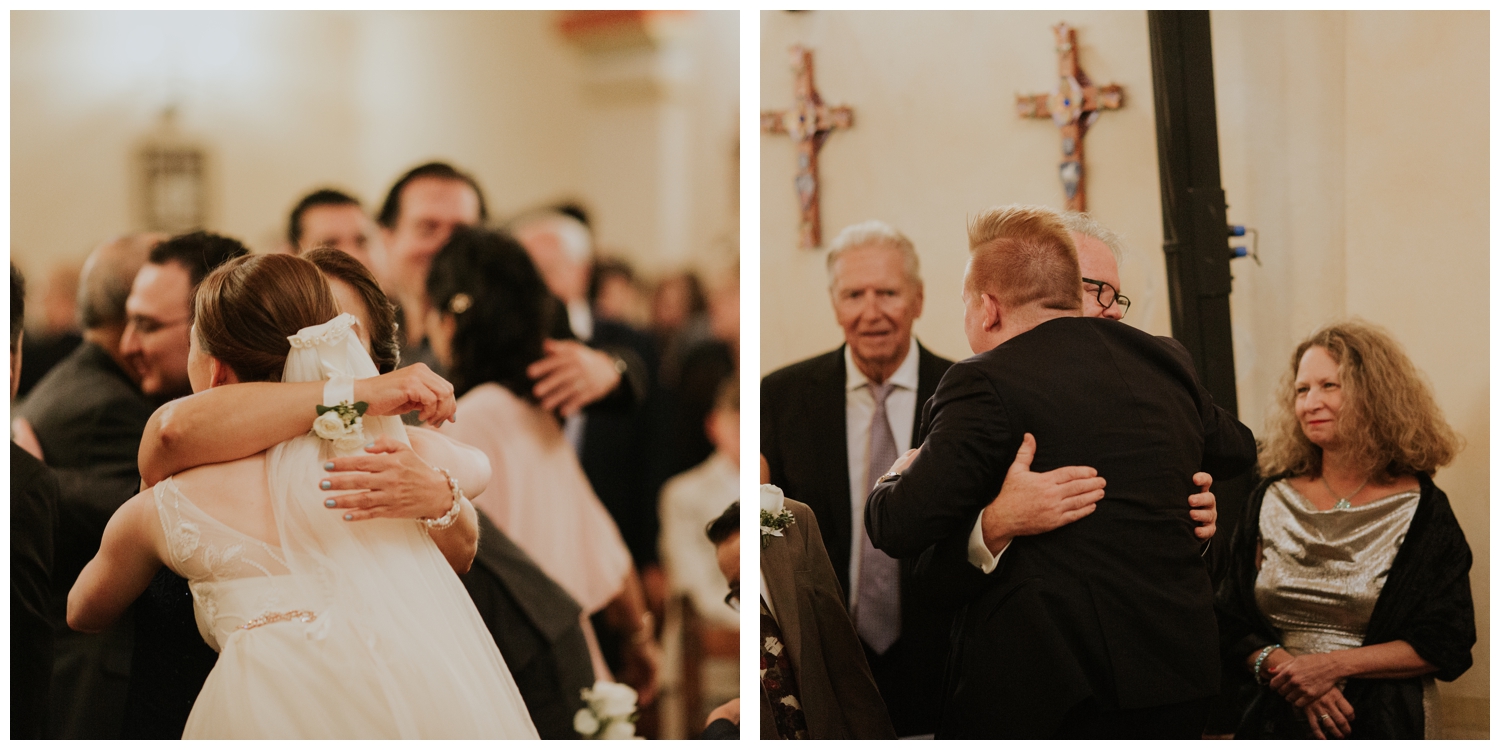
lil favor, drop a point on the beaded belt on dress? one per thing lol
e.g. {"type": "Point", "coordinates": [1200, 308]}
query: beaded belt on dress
{"type": "Point", "coordinates": [270, 617]}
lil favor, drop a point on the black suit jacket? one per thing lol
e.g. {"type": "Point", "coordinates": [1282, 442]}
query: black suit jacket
{"type": "Point", "coordinates": [803, 436]}
{"type": "Point", "coordinates": [88, 416]}
{"type": "Point", "coordinates": [537, 628]}
{"type": "Point", "coordinates": [617, 452]}
{"type": "Point", "coordinates": [1117, 606]}
{"type": "Point", "coordinates": [33, 520]}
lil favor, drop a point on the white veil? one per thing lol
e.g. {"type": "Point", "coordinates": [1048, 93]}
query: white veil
{"type": "Point", "coordinates": [383, 582]}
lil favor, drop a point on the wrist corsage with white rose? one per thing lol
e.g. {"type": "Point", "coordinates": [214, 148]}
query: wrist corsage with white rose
{"type": "Point", "coordinates": [342, 424]}
{"type": "Point", "coordinates": [774, 517]}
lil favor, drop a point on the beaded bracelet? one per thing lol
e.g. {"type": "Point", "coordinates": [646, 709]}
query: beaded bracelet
{"type": "Point", "coordinates": [447, 519]}
{"type": "Point", "coordinates": [1260, 660]}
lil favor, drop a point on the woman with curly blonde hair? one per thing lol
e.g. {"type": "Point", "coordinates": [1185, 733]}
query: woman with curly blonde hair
{"type": "Point", "coordinates": [1348, 589]}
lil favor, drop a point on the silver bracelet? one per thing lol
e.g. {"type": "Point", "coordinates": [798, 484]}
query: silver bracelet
{"type": "Point", "coordinates": [1259, 660]}
{"type": "Point", "coordinates": [449, 518]}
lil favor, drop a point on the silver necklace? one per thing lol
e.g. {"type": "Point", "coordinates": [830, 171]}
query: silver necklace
{"type": "Point", "coordinates": [1343, 502]}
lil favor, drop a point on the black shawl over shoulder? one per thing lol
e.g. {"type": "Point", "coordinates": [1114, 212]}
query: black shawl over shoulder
{"type": "Point", "coordinates": [1426, 602]}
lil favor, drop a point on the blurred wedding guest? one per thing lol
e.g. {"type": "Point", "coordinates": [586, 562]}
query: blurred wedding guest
{"type": "Point", "coordinates": [697, 618]}
{"type": "Point", "coordinates": [419, 213]}
{"type": "Point", "coordinates": [1348, 588]}
{"type": "Point", "coordinates": [85, 418]}
{"type": "Point", "coordinates": [330, 218]}
{"type": "Point", "coordinates": [724, 533]}
{"type": "Point", "coordinates": [614, 294]}
{"type": "Point", "coordinates": [614, 445]}
{"type": "Point", "coordinates": [679, 321]}
{"type": "Point", "coordinates": [487, 324]}
{"type": "Point", "coordinates": [692, 499]}
{"type": "Point", "coordinates": [33, 522]}
{"type": "Point", "coordinates": [703, 368]}
{"type": "Point", "coordinates": [58, 333]}
{"type": "Point", "coordinates": [815, 683]}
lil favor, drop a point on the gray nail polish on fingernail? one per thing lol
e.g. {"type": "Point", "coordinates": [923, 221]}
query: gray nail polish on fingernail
{"type": "Point", "coordinates": [348, 516]}
{"type": "Point", "coordinates": [328, 466]}
{"type": "Point", "coordinates": [327, 485]}
{"type": "Point", "coordinates": [370, 446]}
{"type": "Point", "coordinates": [330, 503]}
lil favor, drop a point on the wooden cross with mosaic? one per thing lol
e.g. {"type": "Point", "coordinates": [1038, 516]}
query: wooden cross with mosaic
{"type": "Point", "coordinates": [1073, 106]}
{"type": "Point", "coordinates": [809, 124]}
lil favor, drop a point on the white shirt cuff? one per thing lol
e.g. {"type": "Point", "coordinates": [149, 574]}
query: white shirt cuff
{"type": "Point", "coordinates": [979, 554]}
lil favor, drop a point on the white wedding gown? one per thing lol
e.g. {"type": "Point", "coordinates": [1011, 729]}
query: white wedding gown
{"type": "Point", "coordinates": [343, 630]}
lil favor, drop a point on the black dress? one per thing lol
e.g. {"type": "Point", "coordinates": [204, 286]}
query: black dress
{"type": "Point", "coordinates": [1426, 601]}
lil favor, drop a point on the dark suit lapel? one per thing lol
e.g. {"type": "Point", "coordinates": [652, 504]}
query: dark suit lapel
{"type": "Point", "coordinates": [826, 414]}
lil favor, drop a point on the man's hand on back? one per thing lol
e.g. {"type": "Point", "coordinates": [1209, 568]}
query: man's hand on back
{"type": "Point", "coordinates": [1205, 509]}
{"type": "Point", "coordinates": [1030, 503]}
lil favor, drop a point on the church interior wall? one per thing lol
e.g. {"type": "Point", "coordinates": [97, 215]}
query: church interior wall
{"type": "Point", "coordinates": [1368, 193]}
{"type": "Point", "coordinates": [286, 102]}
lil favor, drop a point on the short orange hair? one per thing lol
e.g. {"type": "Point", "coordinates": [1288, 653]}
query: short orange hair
{"type": "Point", "coordinates": [1023, 255]}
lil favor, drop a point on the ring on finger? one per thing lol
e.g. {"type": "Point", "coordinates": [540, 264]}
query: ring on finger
{"type": "Point", "coordinates": [1325, 717]}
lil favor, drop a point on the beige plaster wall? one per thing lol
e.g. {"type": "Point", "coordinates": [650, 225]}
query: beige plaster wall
{"type": "Point", "coordinates": [288, 101]}
{"type": "Point", "coordinates": [1354, 142]}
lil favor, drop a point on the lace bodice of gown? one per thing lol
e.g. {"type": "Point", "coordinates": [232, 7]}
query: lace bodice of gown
{"type": "Point", "coordinates": [234, 578]}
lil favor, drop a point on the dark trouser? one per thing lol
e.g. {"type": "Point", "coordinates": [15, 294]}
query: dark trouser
{"type": "Point", "coordinates": [910, 682]}
{"type": "Point", "coordinates": [1175, 721]}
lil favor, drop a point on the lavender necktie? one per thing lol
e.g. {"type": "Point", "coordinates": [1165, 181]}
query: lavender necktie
{"type": "Point", "coordinates": [877, 611]}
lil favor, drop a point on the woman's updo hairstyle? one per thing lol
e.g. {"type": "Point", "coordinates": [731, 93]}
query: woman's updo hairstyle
{"type": "Point", "coordinates": [500, 306]}
{"type": "Point", "coordinates": [246, 309]}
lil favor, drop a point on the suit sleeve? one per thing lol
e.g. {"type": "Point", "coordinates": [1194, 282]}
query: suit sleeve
{"type": "Point", "coordinates": [960, 469]}
{"type": "Point", "coordinates": [1228, 445]}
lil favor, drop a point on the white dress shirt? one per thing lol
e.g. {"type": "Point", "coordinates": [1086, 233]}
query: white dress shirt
{"type": "Point", "coordinates": [859, 409]}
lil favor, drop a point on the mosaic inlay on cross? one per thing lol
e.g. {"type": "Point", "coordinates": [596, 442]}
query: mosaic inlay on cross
{"type": "Point", "coordinates": [809, 124]}
{"type": "Point", "coordinates": [1073, 106]}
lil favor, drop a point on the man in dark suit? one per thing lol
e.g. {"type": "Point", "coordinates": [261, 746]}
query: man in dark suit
{"type": "Point", "coordinates": [33, 523]}
{"type": "Point", "coordinates": [87, 416]}
{"type": "Point", "coordinates": [816, 418]}
{"type": "Point", "coordinates": [1101, 628]}
{"type": "Point", "coordinates": [815, 683]}
{"type": "Point", "coordinates": [613, 444]}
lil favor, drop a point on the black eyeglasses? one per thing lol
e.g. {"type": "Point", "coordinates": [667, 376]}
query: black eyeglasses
{"type": "Point", "coordinates": [1108, 295]}
{"type": "Point", "coordinates": [733, 598]}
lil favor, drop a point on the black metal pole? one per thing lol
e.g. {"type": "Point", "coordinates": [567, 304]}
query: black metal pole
{"type": "Point", "coordinates": [1192, 197]}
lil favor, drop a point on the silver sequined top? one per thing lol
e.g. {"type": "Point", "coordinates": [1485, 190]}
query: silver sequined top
{"type": "Point", "coordinates": [1323, 570]}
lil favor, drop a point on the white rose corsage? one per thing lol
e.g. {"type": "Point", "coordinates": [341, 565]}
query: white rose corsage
{"type": "Point", "coordinates": [342, 424]}
{"type": "Point", "coordinates": [610, 712]}
{"type": "Point", "coordinates": [774, 517]}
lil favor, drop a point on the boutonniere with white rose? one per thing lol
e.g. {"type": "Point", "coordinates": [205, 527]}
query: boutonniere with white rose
{"type": "Point", "coordinates": [774, 517]}
{"type": "Point", "coordinates": [609, 713]}
{"type": "Point", "coordinates": [342, 424]}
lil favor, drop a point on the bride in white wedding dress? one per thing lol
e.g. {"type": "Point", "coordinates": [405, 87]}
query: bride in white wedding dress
{"type": "Point", "coordinates": [325, 628]}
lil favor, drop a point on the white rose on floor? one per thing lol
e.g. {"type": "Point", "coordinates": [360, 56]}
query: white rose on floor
{"type": "Point", "coordinates": [329, 425]}
{"type": "Point", "coordinates": [612, 699]}
{"type": "Point", "coordinates": [619, 730]}
{"type": "Point", "coordinates": [584, 722]}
